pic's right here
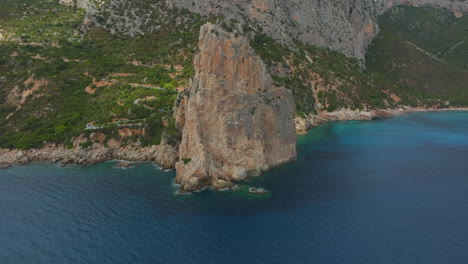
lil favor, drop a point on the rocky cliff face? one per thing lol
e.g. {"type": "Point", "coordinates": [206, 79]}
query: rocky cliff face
{"type": "Point", "coordinates": [342, 25]}
{"type": "Point", "coordinates": [347, 26]}
{"type": "Point", "coordinates": [235, 122]}
{"type": "Point", "coordinates": [90, 5]}
{"type": "Point", "coordinates": [459, 8]}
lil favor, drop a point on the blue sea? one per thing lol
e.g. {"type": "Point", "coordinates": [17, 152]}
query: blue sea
{"type": "Point", "coordinates": [391, 191]}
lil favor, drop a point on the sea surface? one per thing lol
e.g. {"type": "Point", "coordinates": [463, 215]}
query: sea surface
{"type": "Point", "coordinates": [392, 191]}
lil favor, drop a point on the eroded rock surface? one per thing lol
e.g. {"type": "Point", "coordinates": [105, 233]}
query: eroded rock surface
{"type": "Point", "coordinates": [347, 26]}
{"type": "Point", "coordinates": [235, 123]}
{"type": "Point", "coordinates": [162, 154]}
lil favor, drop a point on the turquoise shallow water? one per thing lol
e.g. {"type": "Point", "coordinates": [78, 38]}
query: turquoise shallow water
{"type": "Point", "coordinates": [393, 191]}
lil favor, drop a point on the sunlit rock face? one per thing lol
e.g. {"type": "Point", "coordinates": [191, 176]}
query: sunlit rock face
{"type": "Point", "coordinates": [235, 122]}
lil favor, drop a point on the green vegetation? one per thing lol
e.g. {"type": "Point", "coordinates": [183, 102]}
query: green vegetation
{"type": "Point", "coordinates": [336, 81]}
{"type": "Point", "coordinates": [61, 78]}
{"type": "Point", "coordinates": [425, 52]}
{"type": "Point", "coordinates": [132, 80]}
{"type": "Point", "coordinates": [419, 58]}
{"type": "Point", "coordinates": [436, 31]}
{"type": "Point", "coordinates": [86, 144]}
{"type": "Point", "coordinates": [270, 50]}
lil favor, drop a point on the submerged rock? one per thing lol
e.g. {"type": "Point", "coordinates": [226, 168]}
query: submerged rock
{"type": "Point", "coordinates": [381, 114]}
{"type": "Point", "coordinates": [222, 184]}
{"type": "Point", "coordinates": [123, 165]}
{"type": "Point", "coordinates": [235, 122]}
{"type": "Point", "coordinates": [259, 190]}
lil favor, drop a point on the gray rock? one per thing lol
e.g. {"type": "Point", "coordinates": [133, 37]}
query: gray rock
{"type": "Point", "coordinates": [123, 165]}
{"type": "Point", "coordinates": [343, 25]}
{"type": "Point", "coordinates": [347, 26]}
{"type": "Point", "coordinates": [221, 184]}
{"type": "Point", "coordinates": [166, 155]}
{"type": "Point", "coordinates": [259, 190]}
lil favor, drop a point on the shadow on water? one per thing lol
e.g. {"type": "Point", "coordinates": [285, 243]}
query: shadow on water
{"type": "Point", "coordinates": [340, 160]}
{"type": "Point", "coordinates": [304, 181]}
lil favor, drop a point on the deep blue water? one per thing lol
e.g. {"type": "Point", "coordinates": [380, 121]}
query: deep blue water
{"type": "Point", "coordinates": [393, 191]}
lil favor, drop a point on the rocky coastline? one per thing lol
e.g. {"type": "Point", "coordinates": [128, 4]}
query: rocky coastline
{"type": "Point", "coordinates": [303, 125]}
{"type": "Point", "coordinates": [165, 155]}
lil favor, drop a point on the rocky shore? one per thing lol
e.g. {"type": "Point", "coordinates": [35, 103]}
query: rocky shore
{"type": "Point", "coordinates": [164, 155]}
{"type": "Point", "coordinates": [305, 124]}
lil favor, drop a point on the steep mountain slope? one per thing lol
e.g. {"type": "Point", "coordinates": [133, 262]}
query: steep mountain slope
{"type": "Point", "coordinates": [459, 8]}
{"type": "Point", "coordinates": [342, 25]}
{"type": "Point", "coordinates": [59, 80]}
{"type": "Point", "coordinates": [423, 49]}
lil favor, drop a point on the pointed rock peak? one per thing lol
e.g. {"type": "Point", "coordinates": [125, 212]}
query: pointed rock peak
{"type": "Point", "coordinates": [235, 122]}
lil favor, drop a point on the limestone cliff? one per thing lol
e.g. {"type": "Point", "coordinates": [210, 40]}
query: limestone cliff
{"type": "Point", "coordinates": [459, 8]}
{"type": "Point", "coordinates": [235, 122]}
{"type": "Point", "coordinates": [347, 26]}
{"type": "Point", "coordinates": [343, 25]}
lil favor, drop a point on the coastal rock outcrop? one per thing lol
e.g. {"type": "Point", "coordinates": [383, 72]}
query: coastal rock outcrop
{"type": "Point", "coordinates": [166, 155]}
{"type": "Point", "coordinates": [91, 155]}
{"type": "Point", "coordinates": [123, 165]}
{"type": "Point", "coordinates": [303, 124]}
{"type": "Point", "coordinates": [235, 122]}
